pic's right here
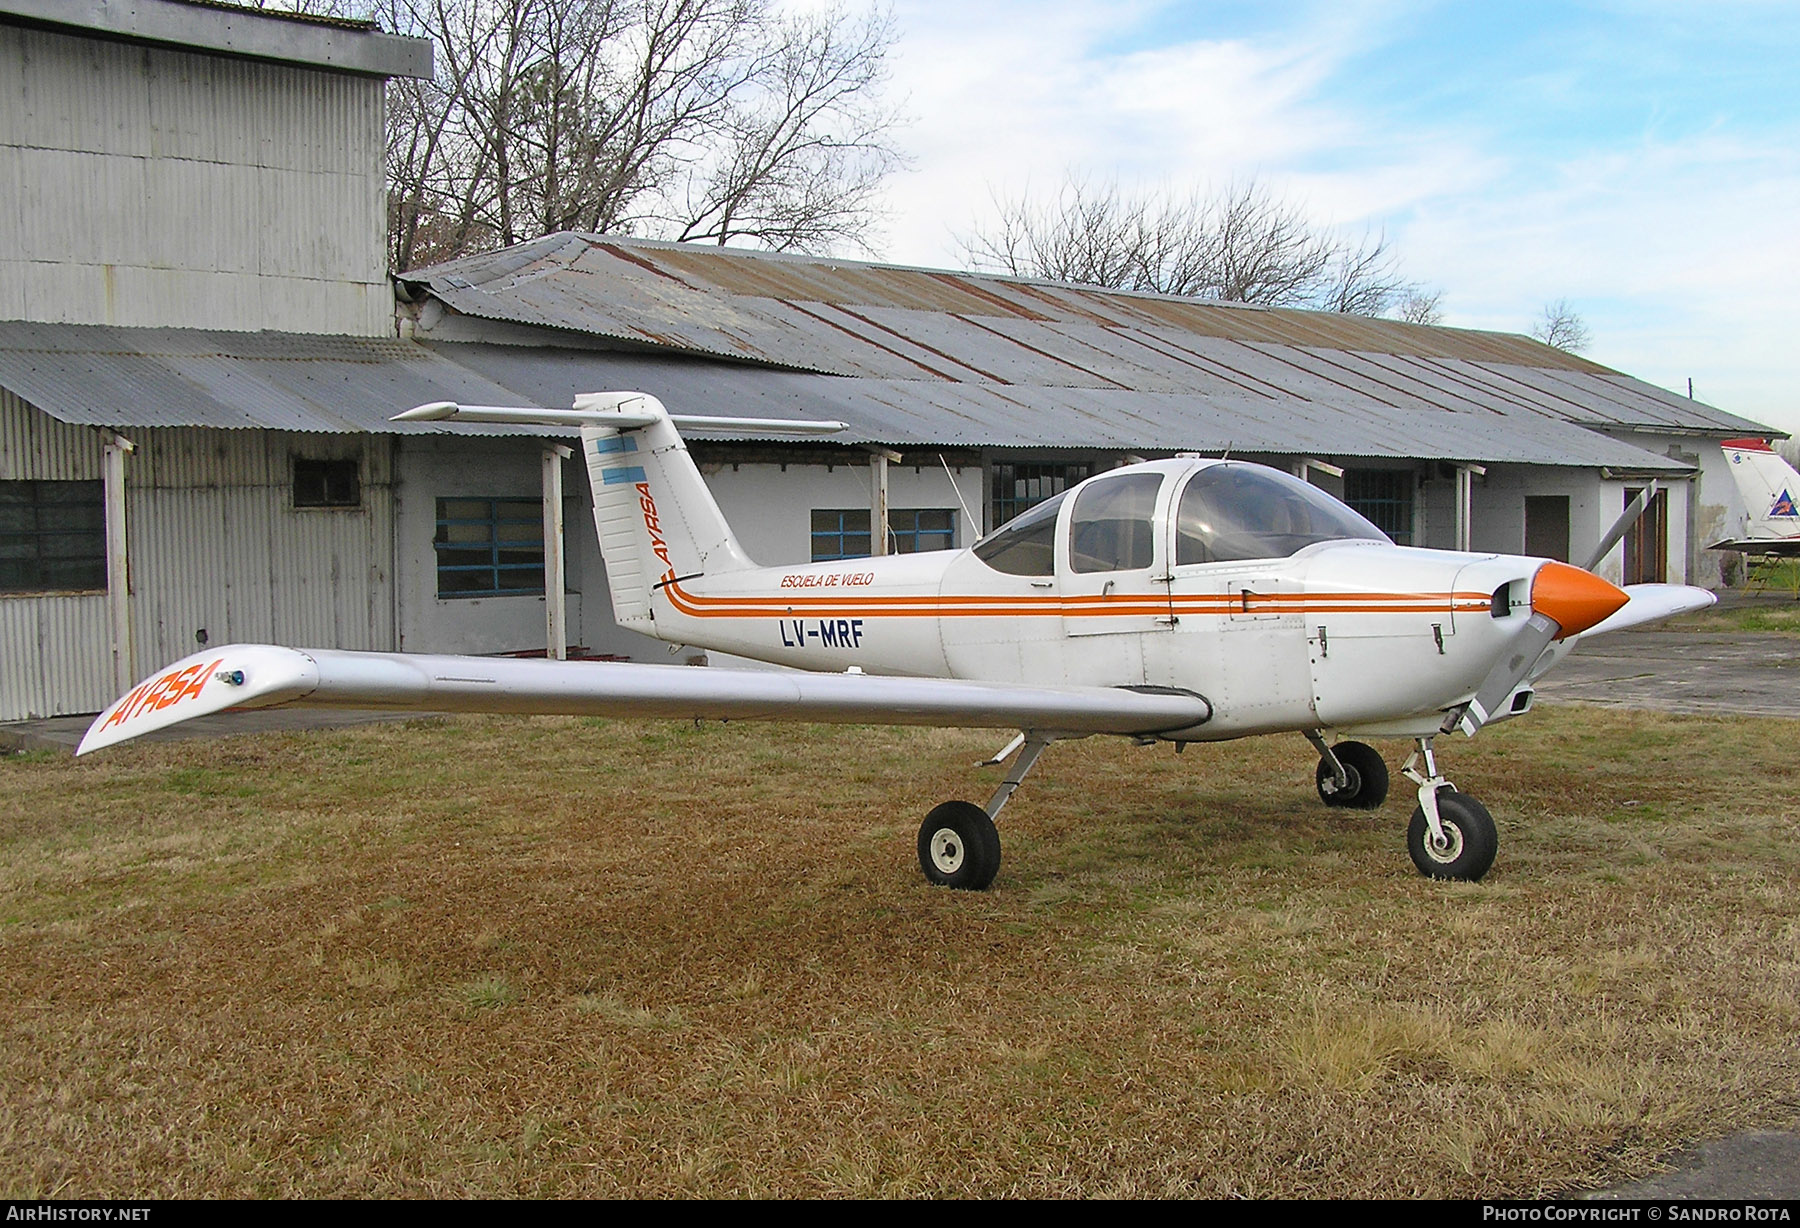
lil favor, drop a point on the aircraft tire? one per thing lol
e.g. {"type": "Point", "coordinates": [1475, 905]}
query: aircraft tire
{"type": "Point", "coordinates": [959, 846]}
{"type": "Point", "coordinates": [1368, 777]}
{"type": "Point", "coordinates": [1471, 840]}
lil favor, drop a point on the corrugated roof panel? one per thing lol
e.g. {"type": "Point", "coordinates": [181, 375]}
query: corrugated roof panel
{"type": "Point", "coordinates": [935, 412]}
{"type": "Point", "coordinates": [1271, 402]}
{"type": "Point", "coordinates": [104, 376]}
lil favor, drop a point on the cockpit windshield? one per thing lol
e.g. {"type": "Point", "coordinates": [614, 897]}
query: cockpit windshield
{"type": "Point", "coordinates": [1242, 511]}
{"type": "Point", "coordinates": [1026, 544]}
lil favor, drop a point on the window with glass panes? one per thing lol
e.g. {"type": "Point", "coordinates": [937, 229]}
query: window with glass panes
{"type": "Point", "coordinates": [490, 547]}
{"type": "Point", "coordinates": [52, 537]}
{"type": "Point", "coordinates": [327, 483]}
{"type": "Point", "coordinates": [843, 533]}
{"type": "Point", "coordinates": [1018, 487]}
{"type": "Point", "coordinates": [1384, 497]}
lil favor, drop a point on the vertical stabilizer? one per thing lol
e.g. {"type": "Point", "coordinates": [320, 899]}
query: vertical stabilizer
{"type": "Point", "coordinates": [656, 519]}
{"type": "Point", "coordinates": [1769, 487]}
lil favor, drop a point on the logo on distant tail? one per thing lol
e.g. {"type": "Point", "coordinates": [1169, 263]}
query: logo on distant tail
{"type": "Point", "coordinates": [1784, 505]}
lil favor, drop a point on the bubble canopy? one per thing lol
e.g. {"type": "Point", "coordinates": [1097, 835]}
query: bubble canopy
{"type": "Point", "coordinates": [1227, 511]}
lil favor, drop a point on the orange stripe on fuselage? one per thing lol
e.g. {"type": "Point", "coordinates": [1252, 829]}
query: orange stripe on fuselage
{"type": "Point", "coordinates": [1084, 606]}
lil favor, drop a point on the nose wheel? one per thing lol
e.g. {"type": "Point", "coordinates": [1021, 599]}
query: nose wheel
{"type": "Point", "coordinates": [1451, 834]}
{"type": "Point", "coordinates": [1463, 846]}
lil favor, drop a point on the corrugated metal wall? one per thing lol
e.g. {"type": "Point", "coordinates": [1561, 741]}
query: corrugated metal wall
{"type": "Point", "coordinates": [54, 651]}
{"type": "Point", "coordinates": [161, 188]}
{"type": "Point", "coordinates": [216, 545]}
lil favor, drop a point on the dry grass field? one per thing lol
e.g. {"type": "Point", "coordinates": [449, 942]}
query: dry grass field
{"type": "Point", "coordinates": [559, 957]}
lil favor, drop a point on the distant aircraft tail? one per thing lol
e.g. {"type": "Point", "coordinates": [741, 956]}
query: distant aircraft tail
{"type": "Point", "coordinates": [656, 519]}
{"type": "Point", "coordinates": [1770, 489]}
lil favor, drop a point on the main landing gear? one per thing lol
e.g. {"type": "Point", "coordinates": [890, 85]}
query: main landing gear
{"type": "Point", "coordinates": [959, 846]}
{"type": "Point", "coordinates": [1351, 774]}
{"type": "Point", "coordinates": [1451, 834]}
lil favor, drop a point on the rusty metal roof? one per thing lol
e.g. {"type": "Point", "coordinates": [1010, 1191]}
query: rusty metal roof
{"type": "Point", "coordinates": [126, 377]}
{"type": "Point", "coordinates": [98, 375]}
{"type": "Point", "coordinates": [881, 322]}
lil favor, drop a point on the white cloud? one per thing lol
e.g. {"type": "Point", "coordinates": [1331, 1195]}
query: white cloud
{"type": "Point", "coordinates": [1679, 250]}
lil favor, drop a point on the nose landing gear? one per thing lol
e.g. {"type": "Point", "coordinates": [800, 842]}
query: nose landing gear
{"type": "Point", "coordinates": [1451, 834]}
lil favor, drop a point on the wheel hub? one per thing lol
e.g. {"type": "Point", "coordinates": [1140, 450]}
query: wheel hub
{"type": "Point", "coordinates": [946, 850]}
{"type": "Point", "coordinates": [1447, 849]}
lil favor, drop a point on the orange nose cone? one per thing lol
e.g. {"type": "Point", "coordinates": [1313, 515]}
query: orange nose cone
{"type": "Point", "coordinates": [1576, 599]}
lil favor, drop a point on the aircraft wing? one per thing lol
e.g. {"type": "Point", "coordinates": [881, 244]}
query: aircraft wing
{"type": "Point", "coordinates": [1650, 603]}
{"type": "Point", "coordinates": [1782, 547]}
{"type": "Point", "coordinates": [244, 676]}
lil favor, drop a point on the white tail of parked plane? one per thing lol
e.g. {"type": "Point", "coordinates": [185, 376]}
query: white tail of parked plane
{"type": "Point", "coordinates": [1770, 488]}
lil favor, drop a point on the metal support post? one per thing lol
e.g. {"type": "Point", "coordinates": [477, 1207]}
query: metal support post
{"type": "Point", "coordinates": [118, 573]}
{"type": "Point", "coordinates": [556, 628]}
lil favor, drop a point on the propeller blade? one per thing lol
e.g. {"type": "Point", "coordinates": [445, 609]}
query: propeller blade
{"type": "Point", "coordinates": [1508, 672]}
{"type": "Point", "coordinates": [1623, 523]}
{"type": "Point", "coordinates": [1565, 601]}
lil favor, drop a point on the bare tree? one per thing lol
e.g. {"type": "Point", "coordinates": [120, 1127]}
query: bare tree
{"type": "Point", "coordinates": [1560, 326]}
{"type": "Point", "coordinates": [1241, 244]}
{"type": "Point", "coordinates": [716, 120]}
{"type": "Point", "coordinates": [1421, 306]}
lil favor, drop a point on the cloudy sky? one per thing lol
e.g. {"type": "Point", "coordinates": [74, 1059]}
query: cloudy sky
{"type": "Point", "coordinates": [1639, 158]}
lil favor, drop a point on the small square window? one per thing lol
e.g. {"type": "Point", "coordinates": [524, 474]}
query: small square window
{"type": "Point", "coordinates": [327, 483]}
{"type": "Point", "coordinates": [52, 537]}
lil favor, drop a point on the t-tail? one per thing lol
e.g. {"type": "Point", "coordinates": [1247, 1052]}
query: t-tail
{"type": "Point", "coordinates": [658, 523]}
{"type": "Point", "coordinates": [1771, 492]}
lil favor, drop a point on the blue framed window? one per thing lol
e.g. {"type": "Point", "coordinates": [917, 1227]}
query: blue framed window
{"type": "Point", "coordinates": [916, 529]}
{"type": "Point", "coordinates": [840, 533]}
{"type": "Point", "coordinates": [490, 547]}
{"type": "Point", "coordinates": [843, 533]}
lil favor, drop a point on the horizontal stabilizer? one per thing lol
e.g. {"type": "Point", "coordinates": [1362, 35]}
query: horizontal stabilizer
{"type": "Point", "coordinates": [265, 676]}
{"type": "Point", "coordinates": [622, 411]}
{"type": "Point", "coordinates": [1651, 603]}
{"type": "Point", "coordinates": [1781, 547]}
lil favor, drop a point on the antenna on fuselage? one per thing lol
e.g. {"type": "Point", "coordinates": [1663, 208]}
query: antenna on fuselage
{"type": "Point", "coordinates": [968, 516]}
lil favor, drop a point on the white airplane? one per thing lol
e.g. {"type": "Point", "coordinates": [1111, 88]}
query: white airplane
{"type": "Point", "coordinates": [1183, 600]}
{"type": "Point", "coordinates": [1769, 486]}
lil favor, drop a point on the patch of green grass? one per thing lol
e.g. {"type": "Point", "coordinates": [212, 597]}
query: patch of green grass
{"type": "Point", "coordinates": [486, 993]}
{"type": "Point", "coordinates": [574, 958]}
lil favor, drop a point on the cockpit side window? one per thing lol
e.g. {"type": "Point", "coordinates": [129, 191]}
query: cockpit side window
{"type": "Point", "coordinates": [1025, 545]}
{"type": "Point", "coordinates": [1240, 511]}
{"type": "Point", "coordinates": [1114, 525]}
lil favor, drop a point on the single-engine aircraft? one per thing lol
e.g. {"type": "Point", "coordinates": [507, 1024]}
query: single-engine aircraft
{"type": "Point", "coordinates": [1182, 600]}
{"type": "Point", "coordinates": [1769, 486]}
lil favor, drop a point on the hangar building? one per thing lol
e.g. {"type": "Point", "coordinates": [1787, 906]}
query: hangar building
{"type": "Point", "coordinates": [200, 352]}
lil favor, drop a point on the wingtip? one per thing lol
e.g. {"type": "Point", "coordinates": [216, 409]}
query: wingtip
{"type": "Point", "coordinates": [431, 411]}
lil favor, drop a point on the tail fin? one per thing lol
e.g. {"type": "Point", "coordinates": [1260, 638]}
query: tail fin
{"type": "Point", "coordinates": [1769, 487]}
{"type": "Point", "coordinates": [656, 519]}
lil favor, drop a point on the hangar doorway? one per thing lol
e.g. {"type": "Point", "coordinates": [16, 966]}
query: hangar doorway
{"type": "Point", "coordinates": [1547, 527]}
{"type": "Point", "coordinates": [1647, 540]}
